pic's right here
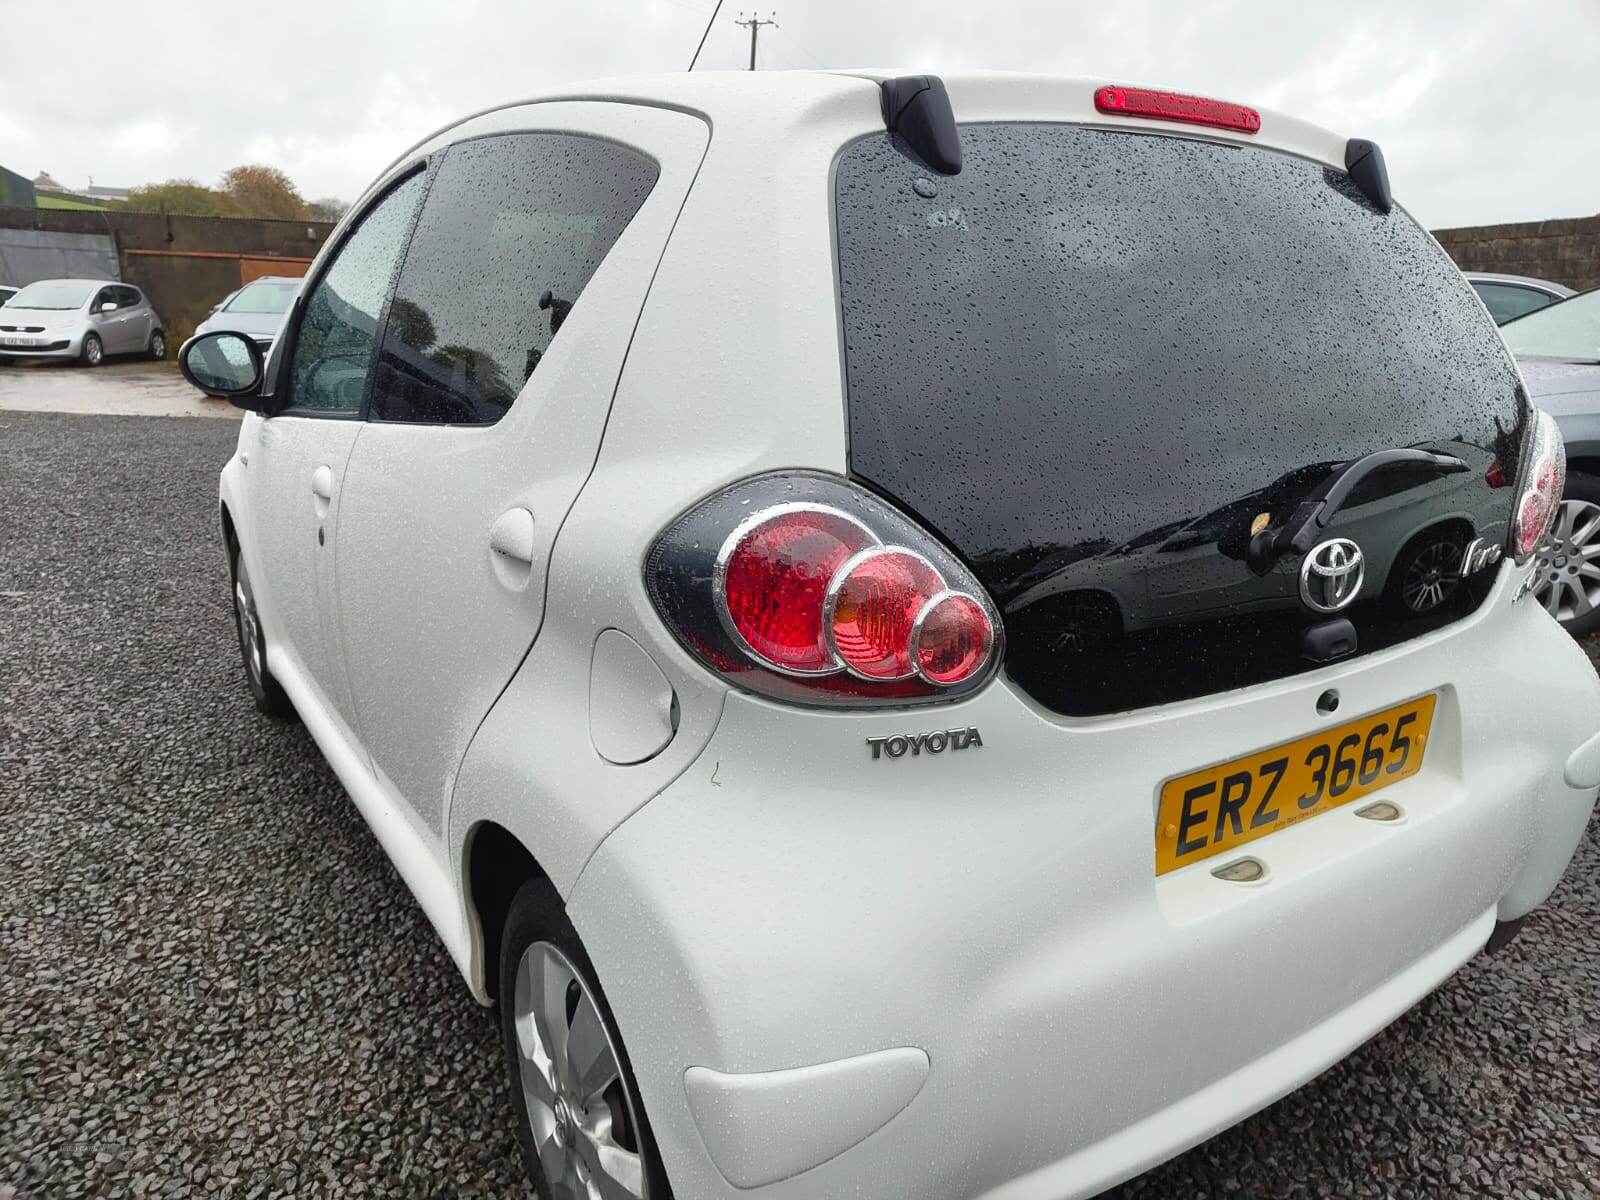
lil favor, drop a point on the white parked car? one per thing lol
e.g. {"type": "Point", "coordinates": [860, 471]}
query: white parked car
{"type": "Point", "coordinates": [645, 508]}
{"type": "Point", "coordinates": [80, 319]}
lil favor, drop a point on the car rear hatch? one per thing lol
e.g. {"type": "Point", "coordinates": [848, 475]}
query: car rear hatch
{"type": "Point", "coordinates": [1097, 362]}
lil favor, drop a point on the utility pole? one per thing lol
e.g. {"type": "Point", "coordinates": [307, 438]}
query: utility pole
{"type": "Point", "coordinates": [755, 24]}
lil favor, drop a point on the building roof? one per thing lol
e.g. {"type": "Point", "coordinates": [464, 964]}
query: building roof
{"type": "Point", "coordinates": [43, 180]}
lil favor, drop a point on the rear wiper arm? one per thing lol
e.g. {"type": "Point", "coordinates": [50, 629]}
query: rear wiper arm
{"type": "Point", "coordinates": [1300, 532]}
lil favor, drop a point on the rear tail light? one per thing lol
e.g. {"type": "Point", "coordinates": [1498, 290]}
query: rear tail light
{"type": "Point", "coordinates": [805, 587]}
{"type": "Point", "coordinates": [1175, 106]}
{"type": "Point", "coordinates": [1543, 480]}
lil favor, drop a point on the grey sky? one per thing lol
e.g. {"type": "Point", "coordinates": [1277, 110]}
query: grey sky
{"type": "Point", "coordinates": [1486, 111]}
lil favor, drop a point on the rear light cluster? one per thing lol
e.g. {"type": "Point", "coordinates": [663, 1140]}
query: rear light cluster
{"type": "Point", "coordinates": [1175, 106]}
{"type": "Point", "coordinates": [1544, 479]}
{"type": "Point", "coordinates": [806, 587]}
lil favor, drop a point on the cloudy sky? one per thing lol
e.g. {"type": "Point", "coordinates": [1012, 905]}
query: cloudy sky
{"type": "Point", "coordinates": [1486, 111]}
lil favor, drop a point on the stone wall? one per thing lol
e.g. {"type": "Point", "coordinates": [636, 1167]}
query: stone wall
{"type": "Point", "coordinates": [1563, 251]}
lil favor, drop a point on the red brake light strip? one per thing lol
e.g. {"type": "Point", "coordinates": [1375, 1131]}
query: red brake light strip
{"type": "Point", "coordinates": [1175, 106]}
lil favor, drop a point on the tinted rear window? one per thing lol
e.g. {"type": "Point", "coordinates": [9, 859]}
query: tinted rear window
{"type": "Point", "coordinates": [1089, 340]}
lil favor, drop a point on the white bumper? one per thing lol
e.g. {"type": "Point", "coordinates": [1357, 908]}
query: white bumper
{"type": "Point", "coordinates": [790, 903]}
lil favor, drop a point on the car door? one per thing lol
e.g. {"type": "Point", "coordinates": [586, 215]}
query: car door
{"type": "Point", "coordinates": [117, 333]}
{"type": "Point", "coordinates": [139, 319]}
{"type": "Point", "coordinates": [104, 325]}
{"type": "Point", "coordinates": [295, 460]}
{"type": "Point", "coordinates": [505, 339]}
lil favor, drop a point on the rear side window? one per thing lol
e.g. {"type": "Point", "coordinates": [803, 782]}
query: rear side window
{"type": "Point", "coordinates": [339, 327]}
{"type": "Point", "coordinates": [513, 228]}
{"type": "Point", "coordinates": [1507, 301]}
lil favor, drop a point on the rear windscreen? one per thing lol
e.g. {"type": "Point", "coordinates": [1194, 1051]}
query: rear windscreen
{"type": "Point", "coordinates": [1089, 343]}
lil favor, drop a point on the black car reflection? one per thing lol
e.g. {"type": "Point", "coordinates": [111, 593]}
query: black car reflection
{"type": "Point", "coordinates": [1140, 619]}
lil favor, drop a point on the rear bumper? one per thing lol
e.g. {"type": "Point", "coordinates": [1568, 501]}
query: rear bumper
{"type": "Point", "coordinates": [790, 905]}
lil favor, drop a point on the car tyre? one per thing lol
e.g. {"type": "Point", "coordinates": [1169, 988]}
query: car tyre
{"type": "Point", "coordinates": [93, 352]}
{"type": "Point", "coordinates": [267, 692]}
{"type": "Point", "coordinates": [572, 1086]}
{"type": "Point", "coordinates": [158, 345]}
{"type": "Point", "coordinates": [1567, 563]}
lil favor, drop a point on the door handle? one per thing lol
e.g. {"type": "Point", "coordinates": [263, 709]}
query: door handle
{"type": "Point", "coordinates": [511, 536]}
{"type": "Point", "coordinates": [321, 493]}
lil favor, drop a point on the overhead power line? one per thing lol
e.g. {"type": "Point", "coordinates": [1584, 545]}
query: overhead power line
{"type": "Point", "coordinates": [703, 36]}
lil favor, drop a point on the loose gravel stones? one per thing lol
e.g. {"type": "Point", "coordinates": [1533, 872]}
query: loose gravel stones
{"type": "Point", "coordinates": [213, 984]}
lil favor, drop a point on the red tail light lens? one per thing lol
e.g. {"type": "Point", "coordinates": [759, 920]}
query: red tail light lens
{"type": "Point", "coordinates": [775, 576]}
{"type": "Point", "coordinates": [807, 588]}
{"type": "Point", "coordinates": [1544, 480]}
{"type": "Point", "coordinates": [1175, 106]}
{"type": "Point", "coordinates": [872, 609]}
{"type": "Point", "coordinates": [952, 639]}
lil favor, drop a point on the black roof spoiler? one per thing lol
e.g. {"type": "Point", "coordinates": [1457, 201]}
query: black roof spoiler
{"type": "Point", "coordinates": [917, 108]}
{"type": "Point", "coordinates": [1364, 161]}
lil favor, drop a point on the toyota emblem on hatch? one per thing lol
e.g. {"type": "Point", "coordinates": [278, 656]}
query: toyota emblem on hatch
{"type": "Point", "coordinates": [1331, 575]}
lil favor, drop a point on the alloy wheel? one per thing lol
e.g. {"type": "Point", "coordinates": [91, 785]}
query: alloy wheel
{"type": "Point", "coordinates": [249, 626]}
{"type": "Point", "coordinates": [1432, 577]}
{"type": "Point", "coordinates": [94, 351]}
{"type": "Point", "coordinates": [578, 1104]}
{"type": "Point", "coordinates": [158, 346]}
{"type": "Point", "coordinates": [1565, 564]}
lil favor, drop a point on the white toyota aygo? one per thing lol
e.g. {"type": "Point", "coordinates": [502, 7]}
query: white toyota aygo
{"type": "Point", "coordinates": [919, 638]}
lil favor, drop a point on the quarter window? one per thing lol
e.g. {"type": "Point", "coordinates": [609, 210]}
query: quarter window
{"type": "Point", "coordinates": [1507, 301]}
{"type": "Point", "coordinates": [513, 228]}
{"type": "Point", "coordinates": [333, 346]}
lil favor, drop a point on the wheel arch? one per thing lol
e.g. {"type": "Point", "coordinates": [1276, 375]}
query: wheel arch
{"type": "Point", "coordinates": [230, 535]}
{"type": "Point", "coordinates": [495, 865]}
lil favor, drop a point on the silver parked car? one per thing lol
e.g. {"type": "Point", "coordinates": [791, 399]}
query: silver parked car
{"type": "Point", "coordinates": [83, 319]}
{"type": "Point", "coordinates": [1508, 297]}
{"type": "Point", "coordinates": [255, 310]}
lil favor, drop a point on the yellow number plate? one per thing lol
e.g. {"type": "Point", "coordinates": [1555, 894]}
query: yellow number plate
{"type": "Point", "coordinates": [1222, 807]}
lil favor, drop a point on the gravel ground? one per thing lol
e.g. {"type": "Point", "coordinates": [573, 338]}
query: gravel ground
{"type": "Point", "coordinates": [211, 981]}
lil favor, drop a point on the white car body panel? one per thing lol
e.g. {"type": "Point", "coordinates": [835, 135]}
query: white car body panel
{"type": "Point", "coordinates": [766, 905]}
{"type": "Point", "coordinates": [293, 543]}
{"type": "Point", "coordinates": [470, 613]}
{"type": "Point", "coordinates": [985, 906]}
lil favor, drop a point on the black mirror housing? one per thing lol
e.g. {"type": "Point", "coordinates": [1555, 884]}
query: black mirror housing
{"type": "Point", "coordinates": [227, 364]}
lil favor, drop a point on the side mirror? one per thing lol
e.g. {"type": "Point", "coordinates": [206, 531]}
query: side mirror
{"type": "Point", "coordinates": [223, 363]}
{"type": "Point", "coordinates": [108, 306]}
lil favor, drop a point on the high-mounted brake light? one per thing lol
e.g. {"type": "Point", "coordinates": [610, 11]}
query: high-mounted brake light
{"type": "Point", "coordinates": [1544, 480]}
{"type": "Point", "coordinates": [1175, 106]}
{"type": "Point", "coordinates": [808, 588]}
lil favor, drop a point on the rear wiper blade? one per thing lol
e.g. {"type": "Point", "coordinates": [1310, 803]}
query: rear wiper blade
{"type": "Point", "coordinates": [1300, 532]}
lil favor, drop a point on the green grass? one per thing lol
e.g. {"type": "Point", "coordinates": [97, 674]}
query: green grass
{"type": "Point", "coordinates": [43, 200]}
